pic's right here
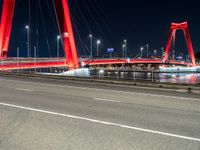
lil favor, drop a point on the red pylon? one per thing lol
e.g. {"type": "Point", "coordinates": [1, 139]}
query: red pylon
{"type": "Point", "coordinates": [65, 26]}
{"type": "Point", "coordinates": [184, 27]}
{"type": "Point", "coordinates": [5, 26]}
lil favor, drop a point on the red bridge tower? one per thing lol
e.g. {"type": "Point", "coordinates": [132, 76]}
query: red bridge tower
{"type": "Point", "coordinates": [65, 26]}
{"type": "Point", "coordinates": [184, 27]}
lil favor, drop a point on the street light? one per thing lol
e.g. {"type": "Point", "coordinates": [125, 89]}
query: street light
{"type": "Point", "coordinates": [162, 48]}
{"type": "Point", "coordinates": [35, 55]}
{"type": "Point", "coordinates": [141, 50]}
{"type": "Point", "coordinates": [173, 57]}
{"type": "Point", "coordinates": [155, 53]}
{"type": "Point", "coordinates": [18, 59]}
{"type": "Point", "coordinates": [28, 40]}
{"type": "Point", "coordinates": [58, 45]}
{"type": "Point", "coordinates": [147, 51]}
{"type": "Point", "coordinates": [98, 42]}
{"type": "Point", "coordinates": [125, 48]}
{"type": "Point", "coordinates": [91, 37]}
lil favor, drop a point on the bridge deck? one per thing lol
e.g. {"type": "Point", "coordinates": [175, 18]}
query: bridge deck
{"type": "Point", "coordinates": [130, 61]}
{"type": "Point", "coordinates": [24, 63]}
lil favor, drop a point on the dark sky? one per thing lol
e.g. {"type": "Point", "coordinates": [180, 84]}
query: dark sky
{"type": "Point", "coordinates": [140, 22]}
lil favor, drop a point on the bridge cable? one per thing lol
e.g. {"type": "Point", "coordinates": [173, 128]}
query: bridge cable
{"type": "Point", "coordinates": [74, 18]}
{"type": "Point", "coordinates": [87, 26]}
{"type": "Point", "coordinates": [95, 21]}
{"type": "Point", "coordinates": [37, 29]}
{"type": "Point", "coordinates": [30, 29]}
{"type": "Point", "coordinates": [100, 12]}
{"type": "Point", "coordinates": [43, 22]}
{"type": "Point", "coordinates": [107, 15]}
{"type": "Point", "coordinates": [78, 35]}
{"type": "Point", "coordinates": [84, 18]}
{"type": "Point", "coordinates": [58, 24]}
{"type": "Point", "coordinates": [53, 16]}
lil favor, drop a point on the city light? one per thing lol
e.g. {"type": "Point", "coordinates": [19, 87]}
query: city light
{"type": "Point", "coordinates": [91, 45]}
{"type": "Point", "coordinates": [58, 37]}
{"type": "Point", "coordinates": [141, 51]}
{"type": "Point", "coordinates": [58, 45]}
{"type": "Point", "coordinates": [98, 42]}
{"type": "Point", "coordinates": [27, 27]}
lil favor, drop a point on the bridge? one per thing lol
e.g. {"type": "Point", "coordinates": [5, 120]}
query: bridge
{"type": "Point", "coordinates": [131, 61]}
{"type": "Point", "coordinates": [71, 60]}
{"type": "Point", "coordinates": [16, 64]}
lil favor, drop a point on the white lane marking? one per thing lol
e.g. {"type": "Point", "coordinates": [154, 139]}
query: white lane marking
{"type": "Point", "coordinates": [106, 100]}
{"type": "Point", "coordinates": [26, 90]}
{"type": "Point", "coordinates": [103, 122]}
{"type": "Point", "coordinates": [103, 90]}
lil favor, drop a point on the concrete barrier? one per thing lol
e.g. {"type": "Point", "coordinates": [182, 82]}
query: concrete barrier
{"type": "Point", "coordinates": [178, 87]}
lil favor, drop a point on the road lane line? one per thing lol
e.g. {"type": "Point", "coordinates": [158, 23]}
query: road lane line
{"type": "Point", "coordinates": [26, 90]}
{"type": "Point", "coordinates": [102, 122]}
{"type": "Point", "coordinates": [113, 91]}
{"type": "Point", "coordinates": [106, 100]}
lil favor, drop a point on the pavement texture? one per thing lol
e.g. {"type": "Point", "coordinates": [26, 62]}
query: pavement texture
{"type": "Point", "coordinates": [46, 114]}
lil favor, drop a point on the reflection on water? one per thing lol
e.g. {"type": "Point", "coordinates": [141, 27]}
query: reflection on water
{"type": "Point", "coordinates": [190, 78]}
{"type": "Point", "coordinates": [180, 78]}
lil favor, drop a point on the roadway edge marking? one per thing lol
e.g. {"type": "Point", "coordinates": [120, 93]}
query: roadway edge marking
{"type": "Point", "coordinates": [106, 100]}
{"type": "Point", "coordinates": [102, 122]}
{"type": "Point", "coordinates": [25, 90]}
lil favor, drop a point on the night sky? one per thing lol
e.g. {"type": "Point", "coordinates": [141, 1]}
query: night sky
{"type": "Point", "coordinates": [111, 21]}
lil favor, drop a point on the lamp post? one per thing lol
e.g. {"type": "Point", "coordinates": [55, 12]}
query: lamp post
{"type": "Point", "coordinates": [35, 55]}
{"type": "Point", "coordinates": [155, 53]}
{"type": "Point", "coordinates": [141, 51]}
{"type": "Point", "coordinates": [58, 45]}
{"type": "Point", "coordinates": [98, 43]}
{"type": "Point", "coordinates": [28, 40]}
{"type": "Point", "coordinates": [147, 51]}
{"type": "Point", "coordinates": [110, 50]}
{"type": "Point", "coordinates": [162, 48]}
{"type": "Point", "coordinates": [17, 59]}
{"type": "Point", "coordinates": [91, 51]}
{"type": "Point", "coordinates": [173, 57]}
{"type": "Point", "coordinates": [125, 48]}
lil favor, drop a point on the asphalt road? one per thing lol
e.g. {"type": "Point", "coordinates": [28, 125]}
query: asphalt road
{"type": "Point", "coordinates": [48, 114]}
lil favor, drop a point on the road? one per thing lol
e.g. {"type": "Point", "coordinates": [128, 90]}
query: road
{"type": "Point", "coordinates": [46, 114]}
